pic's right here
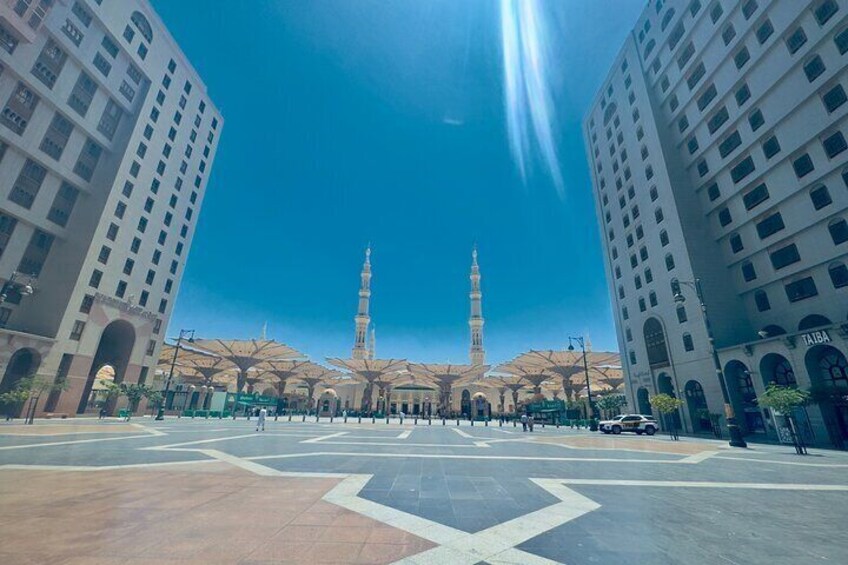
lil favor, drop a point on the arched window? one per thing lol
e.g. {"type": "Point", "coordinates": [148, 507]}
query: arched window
{"type": "Point", "coordinates": [838, 274]}
{"type": "Point", "coordinates": [813, 321]}
{"type": "Point", "coordinates": [838, 230]}
{"type": "Point", "coordinates": [655, 343]}
{"type": "Point", "coordinates": [143, 25]}
{"type": "Point", "coordinates": [649, 48]}
{"type": "Point", "coordinates": [667, 19]}
{"type": "Point", "coordinates": [669, 261]}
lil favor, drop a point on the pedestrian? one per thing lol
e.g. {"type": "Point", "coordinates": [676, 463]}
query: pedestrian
{"type": "Point", "coordinates": [260, 419]}
{"type": "Point", "coordinates": [524, 422]}
{"type": "Point", "coordinates": [102, 413]}
{"type": "Point", "coordinates": [401, 417]}
{"type": "Point", "coordinates": [530, 421]}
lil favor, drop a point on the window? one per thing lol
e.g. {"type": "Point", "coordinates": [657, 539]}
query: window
{"type": "Point", "coordinates": [748, 271]}
{"type": "Point", "coordinates": [669, 261]}
{"type": "Point", "coordinates": [129, 34]}
{"type": "Point", "coordinates": [96, 276]}
{"type": "Point", "coordinates": [121, 290]}
{"type": "Point", "coordinates": [834, 98]}
{"type": "Point", "coordinates": [841, 41]}
{"type": "Point", "coordinates": [63, 205]}
{"type": "Point", "coordinates": [730, 143]}
{"type": "Point", "coordinates": [715, 12]}
{"type": "Point", "coordinates": [785, 256]}
{"type": "Point", "coordinates": [112, 232]}
{"type": "Point", "coordinates": [142, 51]}
{"type": "Point", "coordinates": [151, 275]}
{"type": "Point", "coordinates": [683, 123]}
{"type": "Point", "coordinates": [88, 159]}
{"type": "Point", "coordinates": [761, 299]}
{"type": "Point", "coordinates": [796, 40]}
{"type": "Point", "coordinates": [82, 94]}
{"type": "Point", "coordinates": [696, 75]}
{"type": "Point", "coordinates": [142, 224]}
{"type": "Point", "coordinates": [771, 147]}
{"type": "Point", "coordinates": [764, 31]}
{"type": "Point", "coordinates": [172, 66]}
{"type": "Point", "coordinates": [713, 192]}
{"type": "Point", "coordinates": [663, 238]}
{"type": "Point", "coordinates": [76, 331]}
{"type": "Point", "coordinates": [736, 243]}
{"type": "Point", "coordinates": [838, 231]}
{"type": "Point", "coordinates": [104, 255]}
{"type": "Point", "coordinates": [728, 34]}
{"type": "Point", "coordinates": [743, 93]}
{"type": "Point", "coordinates": [163, 305]}
{"type": "Point", "coordinates": [707, 97]}
{"type": "Point", "coordinates": [820, 197]}
{"type": "Point", "coordinates": [110, 119]}
{"type": "Point", "coordinates": [134, 74]}
{"type": "Point", "coordinates": [142, 301]}
{"type": "Point", "coordinates": [756, 196]}
{"type": "Point", "coordinates": [72, 32]}
{"type": "Point", "coordinates": [642, 305]}
{"type": "Point", "coordinates": [703, 168]}
{"type": "Point", "coordinates": [742, 170]}
{"type": "Point", "coordinates": [825, 10]}
{"type": "Point", "coordinates": [28, 184]}
{"type": "Point", "coordinates": [136, 245]}
{"type": "Point", "coordinates": [801, 289]}
{"type": "Point", "coordinates": [49, 63]}
{"type": "Point", "coordinates": [742, 56]}
{"type": "Point", "coordinates": [81, 13]}
{"type": "Point", "coordinates": [57, 136]}
{"type": "Point", "coordinates": [717, 120]}
{"type": "Point", "coordinates": [803, 165]}
{"type": "Point", "coordinates": [127, 91]}
{"type": "Point", "coordinates": [653, 194]}
{"type": "Point", "coordinates": [687, 342]}
{"type": "Point", "coordinates": [652, 298]}
{"type": "Point", "coordinates": [749, 8]}
{"type": "Point", "coordinates": [120, 209]}
{"type": "Point", "coordinates": [143, 25]}
{"type": "Point", "coordinates": [814, 68]}
{"type": "Point", "coordinates": [673, 103]}
{"type": "Point", "coordinates": [102, 65]}
{"type": "Point", "coordinates": [658, 215]}
{"type": "Point", "coordinates": [685, 55]}
{"type": "Point", "coordinates": [128, 189]}
{"type": "Point", "coordinates": [19, 109]}
{"type": "Point", "coordinates": [770, 225]}
{"type": "Point", "coordinates": [838, 275]}
{"type": "Point", "coordinates": [724, 217]}
{"type": "Point", "coordinates": [834, 144]}
{"type": "Point", "coordinates": [8, 42]}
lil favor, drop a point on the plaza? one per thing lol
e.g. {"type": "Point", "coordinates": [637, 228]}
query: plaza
{"type": "Point", "coordinates": [217, 491]}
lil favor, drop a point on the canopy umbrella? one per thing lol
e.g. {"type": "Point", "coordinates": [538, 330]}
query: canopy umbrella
{"type": "Point", "coordinates": [246, 353]}
{"type": "Point", "coordinates": [446, 376]}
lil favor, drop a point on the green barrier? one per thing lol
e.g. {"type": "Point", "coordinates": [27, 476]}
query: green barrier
{"type": "Point", "coordinates": [122, 413]}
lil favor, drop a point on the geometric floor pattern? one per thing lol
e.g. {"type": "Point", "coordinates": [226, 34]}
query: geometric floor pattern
{"type": "Point", "coordinates": [218, 491]}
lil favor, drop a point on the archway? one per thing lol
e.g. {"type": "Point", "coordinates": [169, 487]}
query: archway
{"type": "Point", "coordinates": [813, 321]}
{"type": "Point", "coordinates": [643, 401]}
{"type": "Point", "coordinates": [655, 343]}
{"type": "Point", "coordinates": [115, 347]}
{"type": "Point", "coordinates": [775, 368]}
{"type": "Point", "coordinates": [665, 386]}
{"type": "Point", "coordinates": [744, 397]}
{"type": "Point", "coordinates": [465, 403]}
{"type": "Point", "coordinates": [24, 363]}
{"type": "Point", "coordinates": [479, 406]}
{"type": "Point", "coordinates": [699, 413]}
{"type": "Point", "coordinates": [828, 371]}
{"type": "Point", "coordinates": [328, 403]}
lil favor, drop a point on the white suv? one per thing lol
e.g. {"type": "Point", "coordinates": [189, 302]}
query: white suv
{"type": "Point", "coordinates": [629, 423]}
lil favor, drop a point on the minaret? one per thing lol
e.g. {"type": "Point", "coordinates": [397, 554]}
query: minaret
{"type": "Point", "coordinates": [478, 355]}
{"type": "Point", "coordinates": [372, 344]}
{"type": "Point", "coordinates": [360, 348]}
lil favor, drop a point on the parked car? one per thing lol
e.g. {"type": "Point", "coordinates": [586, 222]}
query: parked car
{"type": "Point", "coordinates": [629, 423]}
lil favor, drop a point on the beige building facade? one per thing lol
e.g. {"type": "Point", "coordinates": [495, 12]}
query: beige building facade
{"type": "Point", "coordinates": [718, 154]}
{"type": "Point", "coordinates": [107, 139]}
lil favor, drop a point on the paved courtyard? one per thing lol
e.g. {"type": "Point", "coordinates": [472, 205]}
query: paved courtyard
{"type": "Point", "coordinates": [217, 491]}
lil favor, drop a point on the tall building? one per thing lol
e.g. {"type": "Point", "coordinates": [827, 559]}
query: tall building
{"type": "Point", "coordinates": [363, 318]}
{"type": "Point", "coordinates": [718, 153]}
{"type": "Point", "coordinates": [107, 138]}
{"type": "Point", "coordinates": [475, 321]}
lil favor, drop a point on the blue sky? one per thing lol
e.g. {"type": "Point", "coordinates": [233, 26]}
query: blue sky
{"type": "Point", "coordinates": [357, 121]}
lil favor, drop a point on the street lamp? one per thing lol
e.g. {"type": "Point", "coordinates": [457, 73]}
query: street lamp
{"type": "Point", "coordinates": [24, 288]}
{"type": "Point", "coordinates": [736, 439]}
{"type": "Point", "coordinates": [183, 333]}
{"type": "Point", "coordinates": [592, 425]}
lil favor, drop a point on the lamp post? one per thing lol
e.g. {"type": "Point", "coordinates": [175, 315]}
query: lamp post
{"type": "Point", "coordinates": [736, 439]}
{"type": "Point", "coordinates": [183, 333]}
{"type": "Point", "coordinates": [24, 288]}
{"type": "Point", "coordinates": [593, 426]}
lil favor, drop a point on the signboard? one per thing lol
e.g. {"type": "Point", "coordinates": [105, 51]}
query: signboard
{"type": "Point", "coordinates": [815, 338]}
{"type": "Point", "coordinates": [547, 406]}
{"type": "Point", "coordinates": [124, 306]}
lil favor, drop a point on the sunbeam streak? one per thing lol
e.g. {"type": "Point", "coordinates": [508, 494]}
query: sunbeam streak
{"type": "Point", "coordinates": [529, 108]}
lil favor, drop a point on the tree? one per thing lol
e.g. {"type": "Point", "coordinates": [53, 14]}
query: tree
{"type": "Point", "coordinates": [134, 392]}
{"type": "Point", "coordinates": [29, 388]}
{"type": "Point", "coordinates": [611, 404]}
{"type": "Point", "coordinates": [784, 400]}
{"type": "Point", "coordinates": [667, 404]}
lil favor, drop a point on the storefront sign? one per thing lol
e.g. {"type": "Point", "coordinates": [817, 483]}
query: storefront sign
{"type": "Point", "coordinates": [815, 338]}
{"type": "Point", "coordinates": [124, 306]}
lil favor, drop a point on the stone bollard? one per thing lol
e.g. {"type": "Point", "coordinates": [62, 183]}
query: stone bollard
{"type": "Point", "coordinates": [514, 424]}
{"type": "Point", "coordinates": [304, 418]}
{"type": "Point", "coordinates": [316, 418]}
{"type": "Point", "coordinates": [415, 422]}
{"type": "Point", "coordinates": [429, 421]}
{"type": "Point", "coordinates": [443, 420]}
{"type": "Point", "coordinates": [373, 419]}
{"type": "Point", "coordinates": [500, 423]}
{"type": "Point", "coordinates": [457, 421]}
{"type": "Point", "coordinates": [472, 422]}
{"type": "Point", "coordinates": [387, 420]}
{"type": "Point", "coordinates": [486, 423]}
{"type": "Point", "coordinates": [331, 419]}
{"type": "Point", "coordinates": [290, 416]}
{"type": "Point", "coordinates": [360, 419]}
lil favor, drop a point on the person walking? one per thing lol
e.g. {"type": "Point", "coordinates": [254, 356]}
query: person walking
{"type": "Point", "coordinates": [524, 422]}
{"type": "Point", "coordinates": [260, 419]}
{"type": "Point", "coordinates": [530, 421]}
